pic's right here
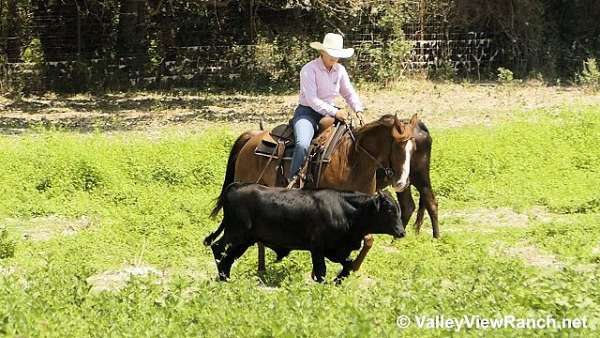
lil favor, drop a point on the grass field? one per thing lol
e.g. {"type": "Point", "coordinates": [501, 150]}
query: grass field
{"type": "Point", "coordinates": [103, 238]}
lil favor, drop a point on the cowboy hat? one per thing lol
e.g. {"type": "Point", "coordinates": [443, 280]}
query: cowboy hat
{"type": "Point", "coordinates": [333, 44]}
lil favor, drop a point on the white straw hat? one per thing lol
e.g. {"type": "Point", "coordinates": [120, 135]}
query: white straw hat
{"type": "Point", "coordinates": [333, 44]}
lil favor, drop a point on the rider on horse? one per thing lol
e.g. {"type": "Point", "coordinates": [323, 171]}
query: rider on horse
{"type": "Point", "coordinates": [321, 81]}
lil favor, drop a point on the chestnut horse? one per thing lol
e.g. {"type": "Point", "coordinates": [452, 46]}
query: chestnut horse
{"type": "Point", "coordinates": [387, 143]}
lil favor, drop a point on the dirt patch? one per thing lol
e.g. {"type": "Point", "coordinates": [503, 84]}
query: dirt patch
{"type": "Point", "coordinates": [535, 257]}
{"type": "Point", "coordinates": [500, 217]}
{"type": "Point", "coordinates": [267, 288]}
{"type": "Point", "coordinates": [596, 250]}
{"type": "Point", "coordinates": [528, 253]}
{"type": "Point", "coordinates": [585, 268]}
{"type": "Point", "coordinates": [115, 280]}
{"type": "Point", "coordinates": [488, 219]}
{"type": "Point", "coordinates": [439, 105]}
{"type": "Point", "coordinates": [6, 271]}
{"type": "Point", "coordinates": [46, 228]}
{"type": "Point", "coordinates": [366, 282]}
{"type": "Point", "coordinates": [453, 105]}
{"type": "Point", "coordinates": [388, 249]}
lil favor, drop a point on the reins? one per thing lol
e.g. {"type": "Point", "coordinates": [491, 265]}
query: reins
{"type": "Point", "coordinates": [388, 170]}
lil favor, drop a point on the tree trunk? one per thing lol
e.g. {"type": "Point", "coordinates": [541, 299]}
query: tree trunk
{"type": "Point", "coordinates": [162, 16]}
{"type": "Point", "coordinates": [131, 39]}
{"type": "Point", "coordinates": [127, 40]}
{"type": "Point", "coordinates": [13, 41]}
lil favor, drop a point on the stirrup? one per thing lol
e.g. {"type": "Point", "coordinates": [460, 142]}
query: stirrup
{"type": "Point", "coordinates": [292, 182]}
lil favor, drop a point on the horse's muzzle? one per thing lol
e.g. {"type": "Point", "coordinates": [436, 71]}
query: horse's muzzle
{"type": "Point", "coordinates": [402, 187]}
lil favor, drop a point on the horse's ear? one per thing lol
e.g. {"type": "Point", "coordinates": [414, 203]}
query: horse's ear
{"type": "Point", "coordinates": [414, 120]}
{"type": "Point", "coordinates": [398, 131]}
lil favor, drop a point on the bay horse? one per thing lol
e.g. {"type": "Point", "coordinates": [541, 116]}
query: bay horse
{"type": "Point", "coordinates": [386, 144]}
{"type": "Point", "coordinates": [419, 178]}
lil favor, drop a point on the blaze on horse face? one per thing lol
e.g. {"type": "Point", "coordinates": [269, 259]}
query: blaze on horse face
{"type": "Point", "coordinates": [403, 147]}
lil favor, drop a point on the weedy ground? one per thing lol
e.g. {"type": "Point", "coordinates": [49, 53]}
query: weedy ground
{"type": "Point", "coordinates": [101, 231]}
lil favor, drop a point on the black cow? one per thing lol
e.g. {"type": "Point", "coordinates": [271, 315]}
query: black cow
{"type": "Point", "coordinates": [328, 223]}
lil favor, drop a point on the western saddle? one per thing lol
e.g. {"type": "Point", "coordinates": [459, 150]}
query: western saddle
{"type": "Point", "coordinates": [279, 145]}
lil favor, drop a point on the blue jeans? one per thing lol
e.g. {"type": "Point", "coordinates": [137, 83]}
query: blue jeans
{"type": "Point", "coordinates": [306, 124]}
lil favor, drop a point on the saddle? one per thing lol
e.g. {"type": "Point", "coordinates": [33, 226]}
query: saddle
{"type": "Point", "coordinates": [279, 144]}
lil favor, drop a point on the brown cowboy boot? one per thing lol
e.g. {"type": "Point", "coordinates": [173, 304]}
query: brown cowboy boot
{"type": "Point", "coordinates": [301, 176]}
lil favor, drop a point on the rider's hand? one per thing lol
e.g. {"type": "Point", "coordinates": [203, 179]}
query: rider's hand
{"type": "Point", "coordinates": [361, 117]}
{"type": "Point", "coordinates": [341, 115]}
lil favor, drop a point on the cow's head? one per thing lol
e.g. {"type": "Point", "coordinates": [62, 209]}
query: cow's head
{"type": "Point", "coordinates": [386, 216]}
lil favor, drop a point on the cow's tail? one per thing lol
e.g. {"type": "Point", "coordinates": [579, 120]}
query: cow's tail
{"type": "Point", "coordinates": [230, 171]}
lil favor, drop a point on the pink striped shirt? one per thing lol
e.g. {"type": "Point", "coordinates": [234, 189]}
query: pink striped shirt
{"type": "Point", "coordinates": [319, 87]}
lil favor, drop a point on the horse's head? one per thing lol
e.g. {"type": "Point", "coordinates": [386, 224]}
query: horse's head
{"type": "Point", "coordinates": [390, 143]}
{"type": "Point", "coordinates": [403, 147]}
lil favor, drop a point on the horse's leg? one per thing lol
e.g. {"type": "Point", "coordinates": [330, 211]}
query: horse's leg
{"type": "Point", "coordinates": [407, 205]}
{"type": "Point", "coordinates": [432, 209]}
{"type": "Point", "coordinates": [427, 201]}
{"type": "Point", "coordinates": [367, 244]}
{"type": "Point", "coordinates": [420, 213]}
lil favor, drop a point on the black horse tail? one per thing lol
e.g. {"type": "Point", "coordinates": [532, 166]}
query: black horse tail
{"type": "Point", "coordinates": [230, 171]}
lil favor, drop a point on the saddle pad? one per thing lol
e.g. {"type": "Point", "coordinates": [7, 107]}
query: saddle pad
{"type": "Point", "coordinates": [267, 149]}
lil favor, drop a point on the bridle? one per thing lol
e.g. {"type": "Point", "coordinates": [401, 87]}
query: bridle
{"type": "Point", "coordinates": [388, 170]}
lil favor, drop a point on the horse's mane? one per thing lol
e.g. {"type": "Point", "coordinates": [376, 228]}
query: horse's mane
{"type": "Point", "coordinates": [347, 146]}
{"type": "Point", "coordinates": [387, 120]}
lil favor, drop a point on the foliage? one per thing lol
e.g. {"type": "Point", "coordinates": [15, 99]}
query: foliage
{"type": "Point", "coordinates": [385, 63]}
{"type": "Point", "coordinates": [505, 76]}
{"type": "Point", "coordinates": [280, 61]}
{"type": "Point", "coordinates": [7, 245]}
{"type": "Point", "coordinates": [34, 52]}
{"type": "Point", "coordinates": [544, 36]}
{"type": "Point", "coordinates": [154, 58]}
{"type": "Point", "coordinates": [444, 71]}
{"type": "Point", "coordinates": [31, 79]}
{"type": "Point", "coordinates": [590, 76]}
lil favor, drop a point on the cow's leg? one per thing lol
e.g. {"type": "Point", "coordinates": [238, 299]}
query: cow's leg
{"type": "Point", "coordinates": [232, 252]}
{"type": "Point", "coordinates": [218, 249]}
{"type": "Point", "coordinates": [346, 268]}
{"type": "Point", "coordinates": [367, 244]}
{"type": "Point", "coordinates": [261, 259]}
{"type": "Point", "coordinates": [319, 267]}
{"type": "Point", "coordinates": [407, 205]}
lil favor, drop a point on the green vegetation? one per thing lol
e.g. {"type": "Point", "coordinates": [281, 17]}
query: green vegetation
{"type": "Point", "coordinates": [147, 197]}
{"type": "Point", "coordinates": [590, 76]}
{"type": "Point", "coordinates": [505, 76]}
